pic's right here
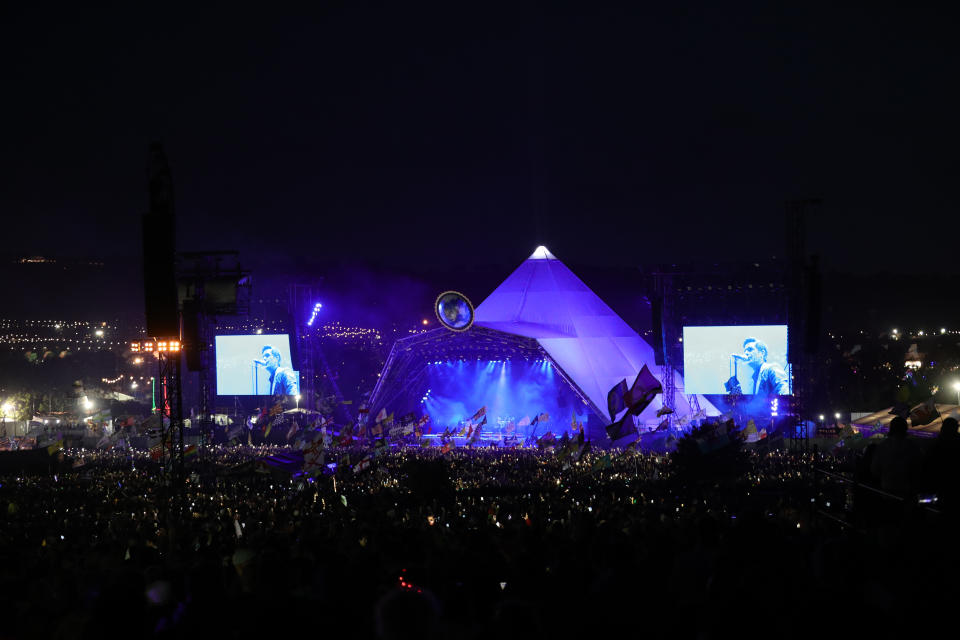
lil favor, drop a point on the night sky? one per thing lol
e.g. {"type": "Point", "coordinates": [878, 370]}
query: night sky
{"type": "Point", "coordinates": [463, 135]}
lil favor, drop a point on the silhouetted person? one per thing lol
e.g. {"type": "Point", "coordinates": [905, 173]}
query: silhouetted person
{"type": "Point", "coordinates": [942, 467]}
{"type": "Point", "coordinates": [897, 462]}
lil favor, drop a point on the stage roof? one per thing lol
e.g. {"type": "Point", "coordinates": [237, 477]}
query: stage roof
{"type": "Point", "coordinates": [543, 300]}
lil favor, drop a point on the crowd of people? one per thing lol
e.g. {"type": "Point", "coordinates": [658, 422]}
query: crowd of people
{"type": "Point", "coordinates": [479, 542]}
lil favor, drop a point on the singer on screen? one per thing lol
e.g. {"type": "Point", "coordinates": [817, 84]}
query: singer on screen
{"type": "Point", "coordinates": [283, 381]}
{"type": "Point", "coordinates": [769, 378]}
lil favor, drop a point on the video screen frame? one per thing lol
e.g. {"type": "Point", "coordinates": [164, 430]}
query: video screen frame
{"type": "Point", "coordinates": [737, 359]}
{"type": "Point", "coordinates": [245, 366]}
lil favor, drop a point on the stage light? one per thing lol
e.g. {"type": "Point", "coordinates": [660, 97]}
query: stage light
{"type": "Point", "coordinates": [836, 415]}
{"type": "Point", "coordinates": [942, 330]}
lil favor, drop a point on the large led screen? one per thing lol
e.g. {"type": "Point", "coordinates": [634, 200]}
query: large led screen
{"type": "Point", "coordinates": [255, 365]}
{"type": "Point", "coordinates": [751, 359]}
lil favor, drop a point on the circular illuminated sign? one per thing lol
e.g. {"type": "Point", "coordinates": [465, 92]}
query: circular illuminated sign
{"type": "Point", "coordinates": [454, 310]}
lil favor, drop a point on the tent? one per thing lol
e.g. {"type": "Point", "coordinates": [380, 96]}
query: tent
{"type": "Point", "coordinates": [543, 310]}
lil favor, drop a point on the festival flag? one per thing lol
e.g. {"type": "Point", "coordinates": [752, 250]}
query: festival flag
{"type": "Point", "coordinates": [477, 429]}
{"type": "Point", "coordinates": [376, 430]}
{"type": "Point", "coordinates": [56, 446]}
{"type": "Point", "coordinates": [156, 452]}
{"type": "Point", "coordinates": [901, 409]}
{"type": "Point", "coordinates": [292, 431]}
{"type": "Point", "coordinates": [763, 434]}
{"type": "Point", "coordinates": [750, 431]}
{"type": "Point", "coordinates": [601, 463]}
{"type": "Point", "coordinates": [924, 413]}
{"type": "Point", "coordinates": [447, 447]}
{"type": "Point", "coordinates": [664, 410]}
{"type": "Point", "coordinates": [663, 425]}
{"type": "Point", "coordinates": [189, 451]}
{"type": "Point", "coordinates": [382, 415]}
{"type": "Point", "coordinates": [524, 421]}
{"type": "Point", "coordinates": [363, 465]}
{"type": "Point", "coordinates": [622, 427]}
{"type": "Point", "coordinates": [314, 458]}
{"type": "Point", "coordinates": [266, 430]}
{"type": "Point", "coordinates": [615, 399]}
{"type": "Point", "coordinates": [482, 411]}
{"type": "Point", "coordinates": [276, 409]}
{"type": "Point", "coordinates": [645, 388]}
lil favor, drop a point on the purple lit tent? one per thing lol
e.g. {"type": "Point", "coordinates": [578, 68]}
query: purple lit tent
{"type": "Point", "coordinates": [541, 310]}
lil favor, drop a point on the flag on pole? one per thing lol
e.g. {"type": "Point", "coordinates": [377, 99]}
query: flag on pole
{"type": "Point", "coordinates": [622, 427]}
{"type": "Point", "coordinates": [901, 409]}
{"type": "Point", "coordinates": [615, 399]}
{"type": "Point", "coordinates": [524, 421]}
{"type": "Point", "coordinates": [645, 388]}
{"type": "Point", "coordinates": [924, 413]}
{"type": "Point", "coordinates": [602, 463]}
{"type": "Point", "coordinates": [363, 465]}
{"type": "Point", "coordinates": [482, 411]}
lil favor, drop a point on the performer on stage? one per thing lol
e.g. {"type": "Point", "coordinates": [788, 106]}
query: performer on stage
{"type": "Point", "coordinates": [283, 381]}
{"type": "Point", "coordinates": [769, 378]}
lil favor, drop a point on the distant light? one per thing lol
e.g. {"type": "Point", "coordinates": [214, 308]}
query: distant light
{"type": "Point", "coordinates": [821, 417]}
{"type": "Point", "coordinates": [956, 385]}
{"type": "Point", "coordinates": [313, 314]}
{"type": "Point", "coordinates": [298, 396]}
{"type": "Point", "coordinates": [98, 333]}
{"type": "Point", "coordinates": [894, 331]}
{"type": "Point", "coordinates": [942, 330]}
{"type": "Point", "coordinates": [425, 321]}
{"type": "Point", "coordinates": [837, 416]}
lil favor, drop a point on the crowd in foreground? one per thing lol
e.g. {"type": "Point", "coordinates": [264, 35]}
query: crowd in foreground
{"type": "Point", "coordinates": [472, 543]}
